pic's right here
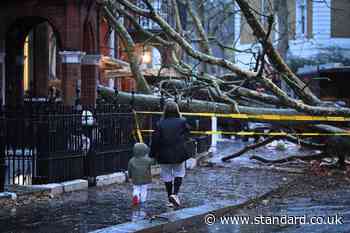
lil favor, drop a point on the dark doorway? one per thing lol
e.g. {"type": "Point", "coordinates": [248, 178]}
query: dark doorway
{"type": "Point", "coordinates": [32, 64]}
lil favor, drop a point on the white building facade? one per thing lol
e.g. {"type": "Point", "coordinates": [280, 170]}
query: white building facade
{"type": "Point", "coordinates": [315, 27]}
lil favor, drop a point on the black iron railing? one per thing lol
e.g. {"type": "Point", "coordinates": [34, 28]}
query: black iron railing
{"type": "Point", "coordinates": [54, 143]}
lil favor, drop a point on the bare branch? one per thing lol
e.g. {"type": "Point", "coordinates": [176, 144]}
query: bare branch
{"type": "Point", "coordinates": [280, 65]}
{"type": "Point", "coordinates": [141, 83]}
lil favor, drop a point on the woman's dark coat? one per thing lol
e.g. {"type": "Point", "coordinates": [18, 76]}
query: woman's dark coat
{"type": "Point", "coordinates": [168, 141]}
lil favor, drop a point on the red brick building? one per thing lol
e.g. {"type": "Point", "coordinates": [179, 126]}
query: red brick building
{"type": "Point", "coordinates": [70, 45]}
{"type": "Point", "coordinates": [75, 26]}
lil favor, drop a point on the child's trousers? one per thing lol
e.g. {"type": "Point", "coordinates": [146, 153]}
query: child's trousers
{"type": "Point", "coordinates": [141, 192]}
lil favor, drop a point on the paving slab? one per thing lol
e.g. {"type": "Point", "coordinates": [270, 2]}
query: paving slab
{"type": "Point", "coordinates": [53, 188]}
{"type": "Point", "coordinates": [75, 185]}
{"type": "Point", "coordinates": [114, 178]}
{"type": "Point", "coordinates": [8, 196]}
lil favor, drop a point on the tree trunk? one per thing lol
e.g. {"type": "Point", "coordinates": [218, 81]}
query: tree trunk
{"type": "Point", "coordinates": [153, 102]}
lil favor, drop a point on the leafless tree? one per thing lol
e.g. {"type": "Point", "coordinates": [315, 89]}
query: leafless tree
{"type": "Point", "coordinates": [227, 92]}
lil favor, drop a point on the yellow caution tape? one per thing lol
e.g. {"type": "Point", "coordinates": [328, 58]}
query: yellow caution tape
{"type": "Point", "coordinates": [259, 117]}
{"type": "Point", "coordinates": [336, 118]}
{"type": "Point", "coordinates": [246, 133]}
{"type": "Point", "coordinates": [138, 131]}
{"type": "Point", "coordinates": [269, 117]}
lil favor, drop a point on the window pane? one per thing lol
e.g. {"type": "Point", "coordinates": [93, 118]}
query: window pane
{"type": "Point", "coordinates": [340, 14]}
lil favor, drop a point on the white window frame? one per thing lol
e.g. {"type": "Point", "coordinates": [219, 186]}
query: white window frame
{"type": "Point", "coordinates": [301, 18]}
{"type": "Point", "coordinates": [111, 43]}
{"type": "Point", "coordinates": [146, 23]}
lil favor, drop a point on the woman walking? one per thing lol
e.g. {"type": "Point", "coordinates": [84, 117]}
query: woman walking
{"type": "Point", "coordinates": [168, 147]}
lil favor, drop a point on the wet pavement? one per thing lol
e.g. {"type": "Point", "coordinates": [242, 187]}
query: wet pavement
{"type": "Point", "coordinates": [324, 197]}
{"type": "Point", "coordinates": [97, 208]}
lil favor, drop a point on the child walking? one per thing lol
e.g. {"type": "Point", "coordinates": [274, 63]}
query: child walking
{"type": "Point", "coordinates": [139, 170]}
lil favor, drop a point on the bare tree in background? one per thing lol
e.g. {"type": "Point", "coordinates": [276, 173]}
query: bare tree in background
{"type": "Point", "coordinates": [227, 92]}
{"type": "Point", "coordinates": [281, 8]}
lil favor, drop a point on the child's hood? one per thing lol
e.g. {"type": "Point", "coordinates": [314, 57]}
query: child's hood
{"type": "Point", "coordinates": [140, 150]}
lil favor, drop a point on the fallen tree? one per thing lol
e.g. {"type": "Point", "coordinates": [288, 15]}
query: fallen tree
{"type": "Point", "coordinates": [333, 146]}
{"type": "Point", "coordinates": [228, 93]}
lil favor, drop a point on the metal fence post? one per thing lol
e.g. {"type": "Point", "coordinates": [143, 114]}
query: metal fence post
{"type": "Point", "coordinates": [90, 153]}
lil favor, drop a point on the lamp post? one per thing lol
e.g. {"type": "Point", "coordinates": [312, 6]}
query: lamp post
{"type": "Point", "coordinates": [146, 58]}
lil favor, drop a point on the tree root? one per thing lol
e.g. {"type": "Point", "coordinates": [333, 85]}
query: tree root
{"type": "Point", "coordinates": [271, 139]}
{"type": "Point", "coordinates": [311, 145]}
{"type": "Point", "coordinates": [250, 147]}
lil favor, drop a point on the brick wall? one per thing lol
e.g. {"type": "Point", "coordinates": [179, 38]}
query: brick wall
{"type": "Point", "coordinates": [67, 19]}
{"type": "Point", "coordinates": [104, 33]}
{"type": "Point", "coordinates": [88, 84]}
{"type": "Point", "coordinates": [71, 73]}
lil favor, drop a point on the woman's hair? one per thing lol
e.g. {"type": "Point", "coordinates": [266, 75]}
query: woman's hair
{"type": "Point", "coordinates": [171, 110]}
